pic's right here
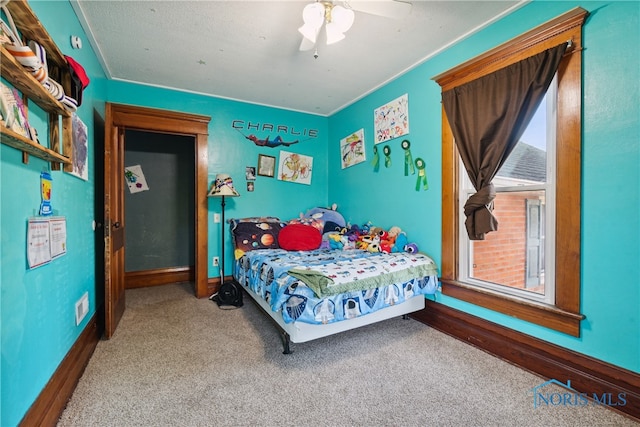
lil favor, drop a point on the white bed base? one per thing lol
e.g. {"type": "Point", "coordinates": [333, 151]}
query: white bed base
{"type": "Point", "coordinates": [299, 332]}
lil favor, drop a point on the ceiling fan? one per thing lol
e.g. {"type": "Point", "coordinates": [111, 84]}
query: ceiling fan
{"type": "Point", "coordinates": [338, 17]}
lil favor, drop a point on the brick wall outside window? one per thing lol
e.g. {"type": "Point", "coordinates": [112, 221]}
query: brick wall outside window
{"type": "Point", "coordinates": [500, 258]}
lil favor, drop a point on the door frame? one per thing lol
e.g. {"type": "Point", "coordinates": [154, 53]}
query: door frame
{"type": "Point", "coordinates": [170, 122]}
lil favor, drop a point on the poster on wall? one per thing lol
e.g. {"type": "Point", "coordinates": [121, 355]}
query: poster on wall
{"type": "Point", "coordinates": [135, 179]}
{"type": "Point", "coordinates": [38, 248]}
{"type": "Point", "coordinates": [352, 149]}
{"type": "Point", "coordinates": [392, 119]}
{"type": "Point", "coordinates": [295, 167]}
{"type": "Point", "coordinates": [79, 148]}
{"type": "Point", "coordinates": [58, 236]}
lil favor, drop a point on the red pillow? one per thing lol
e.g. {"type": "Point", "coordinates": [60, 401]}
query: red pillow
{"type": "Point", "coordinates": [299, 237]}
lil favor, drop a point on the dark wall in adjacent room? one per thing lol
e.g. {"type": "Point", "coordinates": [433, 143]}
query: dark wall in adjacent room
{"type": "Point", "coordinates": [160, 221]}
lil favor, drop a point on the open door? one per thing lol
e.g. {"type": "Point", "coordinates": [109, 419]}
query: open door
{"type": "Point", "coordinates": [114, 224]}
{"type": "Point", "coordinates": [118, 118]}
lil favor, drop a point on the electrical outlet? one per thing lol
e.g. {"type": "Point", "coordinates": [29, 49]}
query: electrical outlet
{"type": "Point", "coordinates": [216, 261]}
{"type": "Point", "coordinates": [216, 217]}
{"type": "Point", "coordinates": [82, 308]}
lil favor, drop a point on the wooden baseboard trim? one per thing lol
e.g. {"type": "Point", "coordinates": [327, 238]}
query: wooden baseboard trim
{"type": "Point", "coordinates": [48, 407]}
{"type": "Point", "coordinates": [587, 375]}
{"type": "Point", "coordinates": [158, 276]}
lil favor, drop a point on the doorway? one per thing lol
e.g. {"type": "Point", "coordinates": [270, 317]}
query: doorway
{"type": "Point", "coordinates": [159, 209]}
{"type": "Point", "coordinates": [119, 119]}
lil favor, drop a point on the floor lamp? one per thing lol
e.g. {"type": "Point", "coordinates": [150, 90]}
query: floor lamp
{"type": "Point", "coordinates": [223, 187]}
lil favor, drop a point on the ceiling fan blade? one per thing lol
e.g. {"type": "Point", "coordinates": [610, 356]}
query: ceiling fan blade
{"type": "Point", "coordinates": [387, 8]}
{"type": "Point", "coordinates": [306, 44]}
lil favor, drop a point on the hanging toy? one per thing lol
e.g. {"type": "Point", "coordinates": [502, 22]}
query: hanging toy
{"type": "Point", "coordinates": [387, 156]}
{"type": "Point", "coordinates": [408, 159]}
{"type": "Point", "coordinates": [376, 159]}
{"type": "Point", "coordinates": [45, 191]}
{"type": "Point", "coordinates": [422, 175]}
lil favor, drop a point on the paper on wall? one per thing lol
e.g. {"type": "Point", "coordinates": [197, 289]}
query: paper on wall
{"type": "Point", "coordinates": [135, 179]}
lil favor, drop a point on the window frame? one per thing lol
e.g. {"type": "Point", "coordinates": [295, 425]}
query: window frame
{"type": "Point", "coordinates": [563, 316]}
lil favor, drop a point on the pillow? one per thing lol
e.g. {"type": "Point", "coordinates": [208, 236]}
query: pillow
{"type": "Point", "coordinates": [315, 223]}
{"type": "Point", "coordinates": [234, 221]}
{"type": "Point", "coordinates": [299, 237]}
{"type": "Point", "coordinates": [251, 235]}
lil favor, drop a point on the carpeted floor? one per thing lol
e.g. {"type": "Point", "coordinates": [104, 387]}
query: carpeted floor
{"type": "Point", "coordinates": [179, 361]}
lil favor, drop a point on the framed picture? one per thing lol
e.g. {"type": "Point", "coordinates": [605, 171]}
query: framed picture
{"type": "Point", "coordinates": [250, 173]}
{"type": "Point", "coordinates": [266, 165]}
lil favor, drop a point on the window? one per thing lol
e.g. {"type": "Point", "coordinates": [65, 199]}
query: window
{"type": "Point", "coordinates": [539, 218]}
{"type": "Point", "coordinates": [511, 260]}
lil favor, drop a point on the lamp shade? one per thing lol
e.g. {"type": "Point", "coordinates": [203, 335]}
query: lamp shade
{"type": "Point", "coordinates": [223, 186]}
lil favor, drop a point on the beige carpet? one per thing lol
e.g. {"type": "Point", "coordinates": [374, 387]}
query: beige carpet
{"type": "Point", "coordinates": [179, 361]}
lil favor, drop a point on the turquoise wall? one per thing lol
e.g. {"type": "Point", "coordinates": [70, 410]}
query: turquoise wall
{"type": "Point", "coordinates": [37, 307]}
{"type": "Point", "coordinates": [610, 163]}
{"type": "Point", "coordinates": [230, 152]}
{"type": "Point", "coordinates": [37, 316]}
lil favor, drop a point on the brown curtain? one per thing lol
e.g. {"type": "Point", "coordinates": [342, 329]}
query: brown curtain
{"type": "Point", "coordinates": [487, 117]}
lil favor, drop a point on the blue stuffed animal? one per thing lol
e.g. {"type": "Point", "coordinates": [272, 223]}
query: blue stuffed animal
{"type": "Point", "coordinates": [401, 242]}
{"type": "Point", "coordinates": [332, 219]}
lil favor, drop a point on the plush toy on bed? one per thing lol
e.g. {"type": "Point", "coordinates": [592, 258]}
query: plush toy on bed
{"type": "Point", "coordinates": [330, 217]}
{"type": "Point", "coordinates": [402, 244]}
{"type": "Point", "coordinates": [338, 240]}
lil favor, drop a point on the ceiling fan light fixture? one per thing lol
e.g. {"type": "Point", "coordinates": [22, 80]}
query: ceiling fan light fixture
{"type": "Point", "coordinates": [334, 35]}
{"type": "Point", "coordinates": [342, 17]}
{"type": "Point", "coordinates": [309, 32]}
{"type": "Point", "coordinates": [313, 15]}
{"type": "Point", "coordinates": [338, 20]}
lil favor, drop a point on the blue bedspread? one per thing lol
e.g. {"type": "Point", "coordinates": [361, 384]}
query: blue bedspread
{"type": "Point", "coordinates": [369, 281]}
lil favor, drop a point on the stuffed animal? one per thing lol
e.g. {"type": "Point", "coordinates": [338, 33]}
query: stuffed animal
{"type": "Point", "coordinates": [369, 243]}
{"type": "Point", "coordinates": [385, 247]}
{"type": "Point", "coordinates": [335, 240]}
{"type": "Point", "coordinates": [353, 232]}
{"type": "Point", "coordinates": [374, 244]}
{"type": "Point", "coordinates": [376, 231]}
{"type": "Point", "coordinates": [332, 219]}
{"type": "Point", "coordinates": [400, 243]}
{"type": "Point", "coordinates": [366, 228]}
{"type": "Point", "coordinates": [412, 248]}
{"type": "Point", "coordinates": [393, 232]}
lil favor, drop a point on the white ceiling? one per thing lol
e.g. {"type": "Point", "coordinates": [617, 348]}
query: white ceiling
{"type": "Point", "coordinates": [249, 50]}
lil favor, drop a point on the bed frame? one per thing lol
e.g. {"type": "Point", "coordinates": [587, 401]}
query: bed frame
{"type": "Point", "coordinates": [299, 332]}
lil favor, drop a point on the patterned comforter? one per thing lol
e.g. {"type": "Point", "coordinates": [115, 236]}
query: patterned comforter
{"type": "Point", "coordinates": [324, 286]}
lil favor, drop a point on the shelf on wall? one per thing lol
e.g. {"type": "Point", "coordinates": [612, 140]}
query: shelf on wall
{"type": "Point", "coordinates": [31, 28]}
{"type": "Point", "coordinates": [16, 140]}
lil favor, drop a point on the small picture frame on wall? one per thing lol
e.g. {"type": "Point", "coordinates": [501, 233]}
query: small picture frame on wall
{"type": "Point", "coordinates": [266, 165]}
{"type": "Point", "coordinates": [250, 173]}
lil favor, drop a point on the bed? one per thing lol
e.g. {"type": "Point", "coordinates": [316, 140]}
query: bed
{"type": "Point", "coordinates": [312, 289]}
